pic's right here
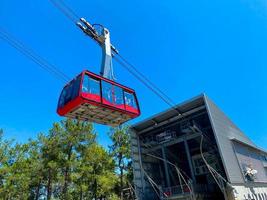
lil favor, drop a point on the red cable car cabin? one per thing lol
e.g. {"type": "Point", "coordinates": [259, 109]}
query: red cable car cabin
{"type": "Point", "coordinates": [91, 97]}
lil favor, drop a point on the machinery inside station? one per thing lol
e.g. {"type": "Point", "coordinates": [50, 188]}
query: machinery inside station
{"type": "Point", "coordinates": [179, 144]}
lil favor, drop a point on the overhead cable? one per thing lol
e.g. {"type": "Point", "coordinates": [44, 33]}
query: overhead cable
{"type": "Point", "coordinates": [65, 9]}
{"type": "Point", "coordinates": [154, 90]}
{"type": "Point", "coordinates": [146, 79]}
{"type": "Point", "coordinates": [22, 48]}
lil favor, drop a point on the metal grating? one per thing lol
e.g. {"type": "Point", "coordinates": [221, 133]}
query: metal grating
{"type": "Point", "coordinates": [100, 115]}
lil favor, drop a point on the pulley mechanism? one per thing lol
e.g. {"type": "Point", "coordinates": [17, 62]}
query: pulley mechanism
{"type": "Point", "coordinates": [103, 39]}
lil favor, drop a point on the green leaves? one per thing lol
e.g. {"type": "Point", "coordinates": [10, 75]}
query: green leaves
{"type": "Point", "coordinates": [120, 150]}
{"type": "Point", "coordinates": [66, 163]}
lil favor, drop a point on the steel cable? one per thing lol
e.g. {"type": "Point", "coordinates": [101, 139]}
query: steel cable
{"type": "Point", "coordinates": [147, 85]}
{"type": "Point", "coordinates": [44, 64]}
{"type": "Point", "coordinates": [66, 10]}
{"type": "Point", "coordinates": [146, 79]}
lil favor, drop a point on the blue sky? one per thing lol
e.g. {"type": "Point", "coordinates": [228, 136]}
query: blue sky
{"type": "Point", "coordinates": [187, 47]}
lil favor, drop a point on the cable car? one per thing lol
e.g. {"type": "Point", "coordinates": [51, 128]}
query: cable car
{"type": "Point", "coordinates": [98, 98]}
{"type": "Point", "coordinates": [90, 97]}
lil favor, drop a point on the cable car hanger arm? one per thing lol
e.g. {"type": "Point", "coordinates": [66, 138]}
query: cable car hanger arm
{"type": "Point", "coordinates": [103, 40]}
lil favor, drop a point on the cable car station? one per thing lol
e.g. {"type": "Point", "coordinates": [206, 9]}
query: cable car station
{"type": "Point", "coordinates": [235, 168]}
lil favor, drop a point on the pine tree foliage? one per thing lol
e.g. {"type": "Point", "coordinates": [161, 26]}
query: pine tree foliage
{"type": "Point", "coordinates": [120, 150]}
{"type": "Point", "coordinates": [66, 163]}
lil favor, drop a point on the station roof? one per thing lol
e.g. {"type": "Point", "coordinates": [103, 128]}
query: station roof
{"type": "Point", "coordinates": [170, 113]}
{"type": "Point", "coordinates": [225, 131]}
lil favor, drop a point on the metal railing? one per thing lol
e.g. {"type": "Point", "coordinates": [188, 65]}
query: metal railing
{"type": "Point", "coordinates": [180, 190]}
{"type": "Point", "coordinates": [177, 190]}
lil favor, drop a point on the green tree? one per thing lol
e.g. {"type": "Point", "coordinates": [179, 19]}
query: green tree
{"type": "Point", "coordinates": [50, 160]}
{"type": "Point", "coordinates": [61, 151]}
{"type": "Point", "coordinates": [15, 172]}
{"type": "Point", "coordinates": [120, 149]}
{"type": "Point", "coordinates": [76, 137]}
{"type": "Point", "coordinates": [99, 174]}
{"type": "Point", "coordinates": [67, 163]}
{"type": "Point", "coordinates": [4, 157]}
{"type": "Point", "coordinates": [36, 169]}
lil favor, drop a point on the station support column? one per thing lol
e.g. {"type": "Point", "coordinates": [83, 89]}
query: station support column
{"type": "Point", "coordinates": [166, 166]}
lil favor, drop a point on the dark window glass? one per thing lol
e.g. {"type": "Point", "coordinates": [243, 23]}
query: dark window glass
{"type": "Point", "coordinates": [107, 92]}
{"type": "Point", "coordinates": [118, 95]}
{"type": "Point", "coordinates": [70, 92]}
{"type": "Point", "coordinates": [75, 88]}
{"type": "Point", "coordinates": [62, 98]}
{"type": "Point", "coordinates": [91, 85]}
{"type": "Point", "coordinates": [130, 99]}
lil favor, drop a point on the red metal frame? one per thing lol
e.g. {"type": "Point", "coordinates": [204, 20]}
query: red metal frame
{"type": "Point", "coordinates": [81, 98]}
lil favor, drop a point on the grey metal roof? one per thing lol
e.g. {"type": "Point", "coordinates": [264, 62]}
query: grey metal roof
{"type": "Point", "coordinates": [170, 113]}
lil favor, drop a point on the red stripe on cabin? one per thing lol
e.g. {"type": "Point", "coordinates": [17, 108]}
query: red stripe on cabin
{"type": "Point", "coordinates": [92, 97]}
{"type": "Point", "coordinates": [131, 109]}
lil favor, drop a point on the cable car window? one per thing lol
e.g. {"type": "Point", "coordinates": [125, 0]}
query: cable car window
{"type": "Point", "coordinates": [118, 96]}
{"type": "Point", "coordinates": [75, 88]}
{"type": "Point", "coordinates": [91, 85]}
{"type": "Point", "coordinates": [94, 86]}
{"type": "Point", "coordinates": [130, 99]}
{"type": "Point", "coordinates": [62, 98]}
{"type": "Point", "coordinates": [85, 86]}
{"type": "Point", "coordinates": [107, 92]}
{"type": "Point", "coordinates": [68, 93]}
